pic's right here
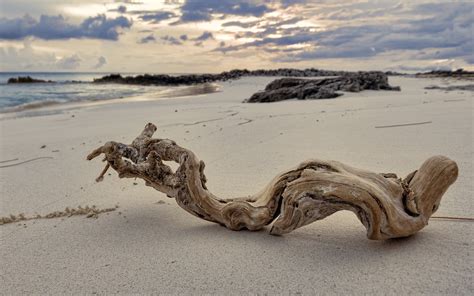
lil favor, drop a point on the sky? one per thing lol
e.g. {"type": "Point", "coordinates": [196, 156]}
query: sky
{"type": "Point", "coordinates": [197, 36]}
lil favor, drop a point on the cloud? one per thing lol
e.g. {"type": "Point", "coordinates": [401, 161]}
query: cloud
{"type": "Point", "coordinates": [194, 16]}
{"type": "Point", "coordinates": [204, 36]}
{"type": "Point", "coordinates": [240, 24]}
{"type": "Point", "coordinates": [202, 10]}
{"type": "Point", "coordinates": [69, 63]}
{"type": "Point", "coordinates": [464, 51]}
{"type": "Point", "coordinates": [299, 36]}
{"type": "Point", "coordinates": [291, 21]}
{"type": "Point", "coordinates": [128, 1]}
{"type": "Point", "coordinates": [327, 33]}
{"type": "Point", "coordinates": [287, 3]}
{"type": "Point", "coordinates": [25, 57]}
{"type": "Point", "coordinates": [147, 39]}
{"type": "Point", "coordinates": [442, 26]}
{"type": "Point", "coordinates": [122, 9]}
{"type": "Point", "coordinates": [167, 39]}
{"type": "Point", "coordinates": [100, 62]}
{"type": "Point", "coordinates": [40, 58]}
{"type": "Point", "coordinates": [171, 40]}
{"type": "Point", "coordinates": [436, 67]}
{"type": "Point", "coordinates": [157, 17]}
{"type": "Point", "coordinates": [57, 27]}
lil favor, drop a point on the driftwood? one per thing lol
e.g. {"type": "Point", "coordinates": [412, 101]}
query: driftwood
{"type": "Point", "coordinates": [387, 206]}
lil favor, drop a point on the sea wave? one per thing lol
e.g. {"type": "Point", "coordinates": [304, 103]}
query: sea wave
{"type": "Point", "coordinates": [30, 105]}
{"type": "Point", "coordinates": [126, 95]}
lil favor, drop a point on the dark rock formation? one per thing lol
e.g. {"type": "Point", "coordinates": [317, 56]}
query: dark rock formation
{"type": "Point", "coordinates": [160, 80]}
{"type": "Point", "coordinates": [459, 73]}
{"type": "Point", "coordinates": [27, 79]}
{"type": "Point", "coordinates": [467, 87]}
{"type": "Point", "coordinates": [164, 80]}
{"type": "Point", "coordinates": [308, 89]}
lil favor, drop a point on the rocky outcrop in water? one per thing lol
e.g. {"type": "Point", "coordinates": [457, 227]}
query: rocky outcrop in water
{"type": "Point", "coordinates": [313, 89]}
{"type": "Point", "coordinates": [159, 80]}
{"type": "Point", "coordinates": [26, 79]}
{"type": "Point", "coordinates": [164, 80]}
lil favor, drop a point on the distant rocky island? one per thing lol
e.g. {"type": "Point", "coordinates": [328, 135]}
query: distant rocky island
{"type": "Point", "coordinates": [459, 74]}
{"type": "Point", "coordinates": [188, 79]}
{"type": "Point", "coordinates": [170, 80]}
{"type": "Point", "coordinates": [468, 87]}
{"type": "Point", "coordinates": [167, 80]}
{"type": "Point", "coordinates": [27, 79]}
{"type": "Point", "coordinates": [313, 89]}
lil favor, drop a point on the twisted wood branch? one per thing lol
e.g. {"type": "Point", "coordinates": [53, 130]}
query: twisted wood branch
{"type": "Point", "coordinates": [386, 205]}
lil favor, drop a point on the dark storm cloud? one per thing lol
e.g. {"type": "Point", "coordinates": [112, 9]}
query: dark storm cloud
{"type": "Point", "coordinates": [57, 27]}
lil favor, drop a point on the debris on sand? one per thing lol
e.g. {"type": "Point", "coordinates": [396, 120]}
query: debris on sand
{"type": "Point", "coordinates": [88, 211]}
{"type": "Point", "coordinates": [403, 124]}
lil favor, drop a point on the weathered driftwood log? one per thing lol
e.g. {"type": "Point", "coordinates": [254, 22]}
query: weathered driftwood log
{"type": "Point", "coordinates": [387, 206]}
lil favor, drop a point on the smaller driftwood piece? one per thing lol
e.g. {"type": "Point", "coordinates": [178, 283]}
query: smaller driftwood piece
{"type": "Point", "coordinates": [387, 206]}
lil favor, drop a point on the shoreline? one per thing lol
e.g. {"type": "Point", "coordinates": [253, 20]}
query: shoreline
{"type": "Point", "coordinates": [52, 107]}
{"type": "Point", "coordinates": [195, 84]}
{"type": "Point", "coordinates": [36, 108]}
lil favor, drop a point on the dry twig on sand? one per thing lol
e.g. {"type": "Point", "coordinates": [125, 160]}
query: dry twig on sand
{"type": "Point", "coordinates": [403, 124]}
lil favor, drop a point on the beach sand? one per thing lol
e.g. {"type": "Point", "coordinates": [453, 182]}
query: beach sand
{"type": "Point", "coordinates": [149, 245]}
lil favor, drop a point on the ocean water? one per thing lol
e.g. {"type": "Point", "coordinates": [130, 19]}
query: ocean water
{"type": "Point", "coordinates": [15, 97]}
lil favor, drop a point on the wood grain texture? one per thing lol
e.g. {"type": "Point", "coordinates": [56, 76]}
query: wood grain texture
{"type": "Point", "coordinates": [387, 206]}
